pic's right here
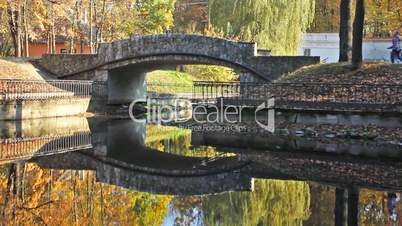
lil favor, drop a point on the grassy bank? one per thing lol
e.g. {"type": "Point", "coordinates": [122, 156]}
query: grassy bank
{"type": "Point", "coordinates": [15, 68]}
{"type": "Point", "coordinates": [169, 82]}
{"type": "Point", "coordinates": [172, 81]}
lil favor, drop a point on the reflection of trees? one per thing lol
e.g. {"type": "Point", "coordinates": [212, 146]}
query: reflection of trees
{"type": "Point", "coordinates": [373, 209]}
{"type": "Point", "coordinates": [177, 141]}
{"type": "Point", "coordinates": [272, 203]}
{"type": "Point", "coordinates": [31, 195]}
{"type": "Point", "coordinates": [322, 205]}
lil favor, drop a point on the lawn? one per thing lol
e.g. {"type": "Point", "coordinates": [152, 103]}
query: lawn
{"type": "Point", "coordinates": [170, 82]}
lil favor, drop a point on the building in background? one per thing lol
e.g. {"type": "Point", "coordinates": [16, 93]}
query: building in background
{"type": "Point", "coordinates": [326, 45]}
{"type": "Point", "coordinates": [39, 47]}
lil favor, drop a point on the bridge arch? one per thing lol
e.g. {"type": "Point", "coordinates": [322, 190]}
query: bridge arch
{"type": "Point", "coordinates": [127, 77]}
{"type": "Point", "coordinates": [158, 61]}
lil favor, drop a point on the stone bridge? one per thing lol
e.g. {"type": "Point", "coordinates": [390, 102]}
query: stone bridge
{"type": "Point", "coordinates": [125, 63]}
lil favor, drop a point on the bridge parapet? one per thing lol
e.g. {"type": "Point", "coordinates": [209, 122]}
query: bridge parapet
{"type": "Point", "coordinates": [151, 45]}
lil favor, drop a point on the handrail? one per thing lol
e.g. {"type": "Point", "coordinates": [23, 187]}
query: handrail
{"type": "Point", "coordinates": [292, 83]}
{"type": "Point", "coordinates": [12, 89]}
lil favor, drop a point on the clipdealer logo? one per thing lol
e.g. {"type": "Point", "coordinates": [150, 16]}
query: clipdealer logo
{"type": "Point", "coordinates": [159, 113]}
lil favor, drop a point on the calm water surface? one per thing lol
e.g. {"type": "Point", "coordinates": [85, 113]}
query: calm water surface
{"type": "Point", "coordinates": [78, 171]}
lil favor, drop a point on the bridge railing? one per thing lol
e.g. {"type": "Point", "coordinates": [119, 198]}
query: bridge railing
{"type": "Point", "coordinates": [43, 89]}
{"type": "Point", "coordinates": [301, 92]}
{"type": "Point", "coordinates": [20, 148]}
{"type": "Point", "coordinates": [205, 90]}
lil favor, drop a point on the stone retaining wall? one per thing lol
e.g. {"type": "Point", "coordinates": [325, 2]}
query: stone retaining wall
{"type": "Point", "coordinates": [29, 109]}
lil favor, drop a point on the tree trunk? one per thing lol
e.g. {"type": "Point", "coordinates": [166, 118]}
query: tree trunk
{"type": "Point", "coordinates": [19, 28]}
{"type": "Point", "coordinates": [341, 207]}
{"type": "Point", "coordinates": [50, 31]}
{"type": "Point", "coordinates": [345, 31]}
{"type": "Point", "coordinates": [81, 45]}
{"type": "Point", "coordinates": [26, 33]}
{"type": "Point", "coordinates": [53, 29]}
{"type": "Point", "coordinates": [74, 28]}
{"type": "Point", "coordinates": [14, 22]}
{"type": "Point", "coordinates": [91, 46]}
{"type": "Point", "coordinates": [358, 25]}
{"type": "Point", "coordinates": [48, 42]}
{"type": "Point", "coordinates": [353, 205]}
{"type": "Point", "coordinates": [389, 7]}
{"type": "Point", "coordinates": [100, 29]}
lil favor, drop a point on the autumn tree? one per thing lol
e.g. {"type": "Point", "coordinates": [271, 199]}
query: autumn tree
{"type": "Point", "coordinates": [326, 16]}
{"type": "Point", "coordinates": [382, 18]}
{"type": "Point", "coordinates": [15, 23]}
{"type": "Point", "coordinates": [6, 45]}
{"type": "Point", "coordinates": [32, 195]}
{"type": "Point", "coordinates": [191, 16]}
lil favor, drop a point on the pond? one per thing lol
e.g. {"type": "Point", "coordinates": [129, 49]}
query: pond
{"type": "Point", "coordinates": [98, 171]}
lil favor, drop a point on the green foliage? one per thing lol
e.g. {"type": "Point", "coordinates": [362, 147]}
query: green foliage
{"type": "Point", "coordinates": [272, 203]}
{"type": "Point", "coordinates": [157, 133]}
{"type": "Point", "coordinates": [151, 17]}
{"type": "Point", "coordinates": [150, 209]}
{"type": "Point", "coordinates": [212, 73]}
{"type": "Point", "coordinates": [276, 25]}
{"type": "Point", "coordinates": [177, 141]}
{"type": "Point", "coordinates": [169, 81]}
{"type": "Point", "coordinates": [126, 18]}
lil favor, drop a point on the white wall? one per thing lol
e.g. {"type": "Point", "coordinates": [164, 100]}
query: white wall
{"type": "Point", "coordinates": [326, 45]}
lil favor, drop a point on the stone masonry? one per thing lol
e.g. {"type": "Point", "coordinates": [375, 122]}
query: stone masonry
{"type": "Point", "coordinates": [154, 51]}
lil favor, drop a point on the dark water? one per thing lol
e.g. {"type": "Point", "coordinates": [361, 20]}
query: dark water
{"type": "Point", "coordinates": [77, 171]}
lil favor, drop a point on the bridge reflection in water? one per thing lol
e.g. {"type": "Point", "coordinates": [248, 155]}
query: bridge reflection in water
{"type": "Point", "coordinates": [184, 162]}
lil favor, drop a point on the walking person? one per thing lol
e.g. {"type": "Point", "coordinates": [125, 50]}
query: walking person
{"type": "Point", "coordinates": [396, 48]}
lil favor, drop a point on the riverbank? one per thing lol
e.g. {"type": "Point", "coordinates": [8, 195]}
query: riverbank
{"type": "Point", "coordinates": [21, 69]}
{"type": "Point", "coordinates": [341, 73]}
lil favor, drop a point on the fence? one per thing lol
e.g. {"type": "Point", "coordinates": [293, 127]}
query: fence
{"type": "Point", "coordinates": [301, 92]}
{"type": "Point", "coordinates": [20, 148]}
{"type": "Point", "coordinates": [41, 89]}
{"type": "Point", "coordinates": [235, 90]}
